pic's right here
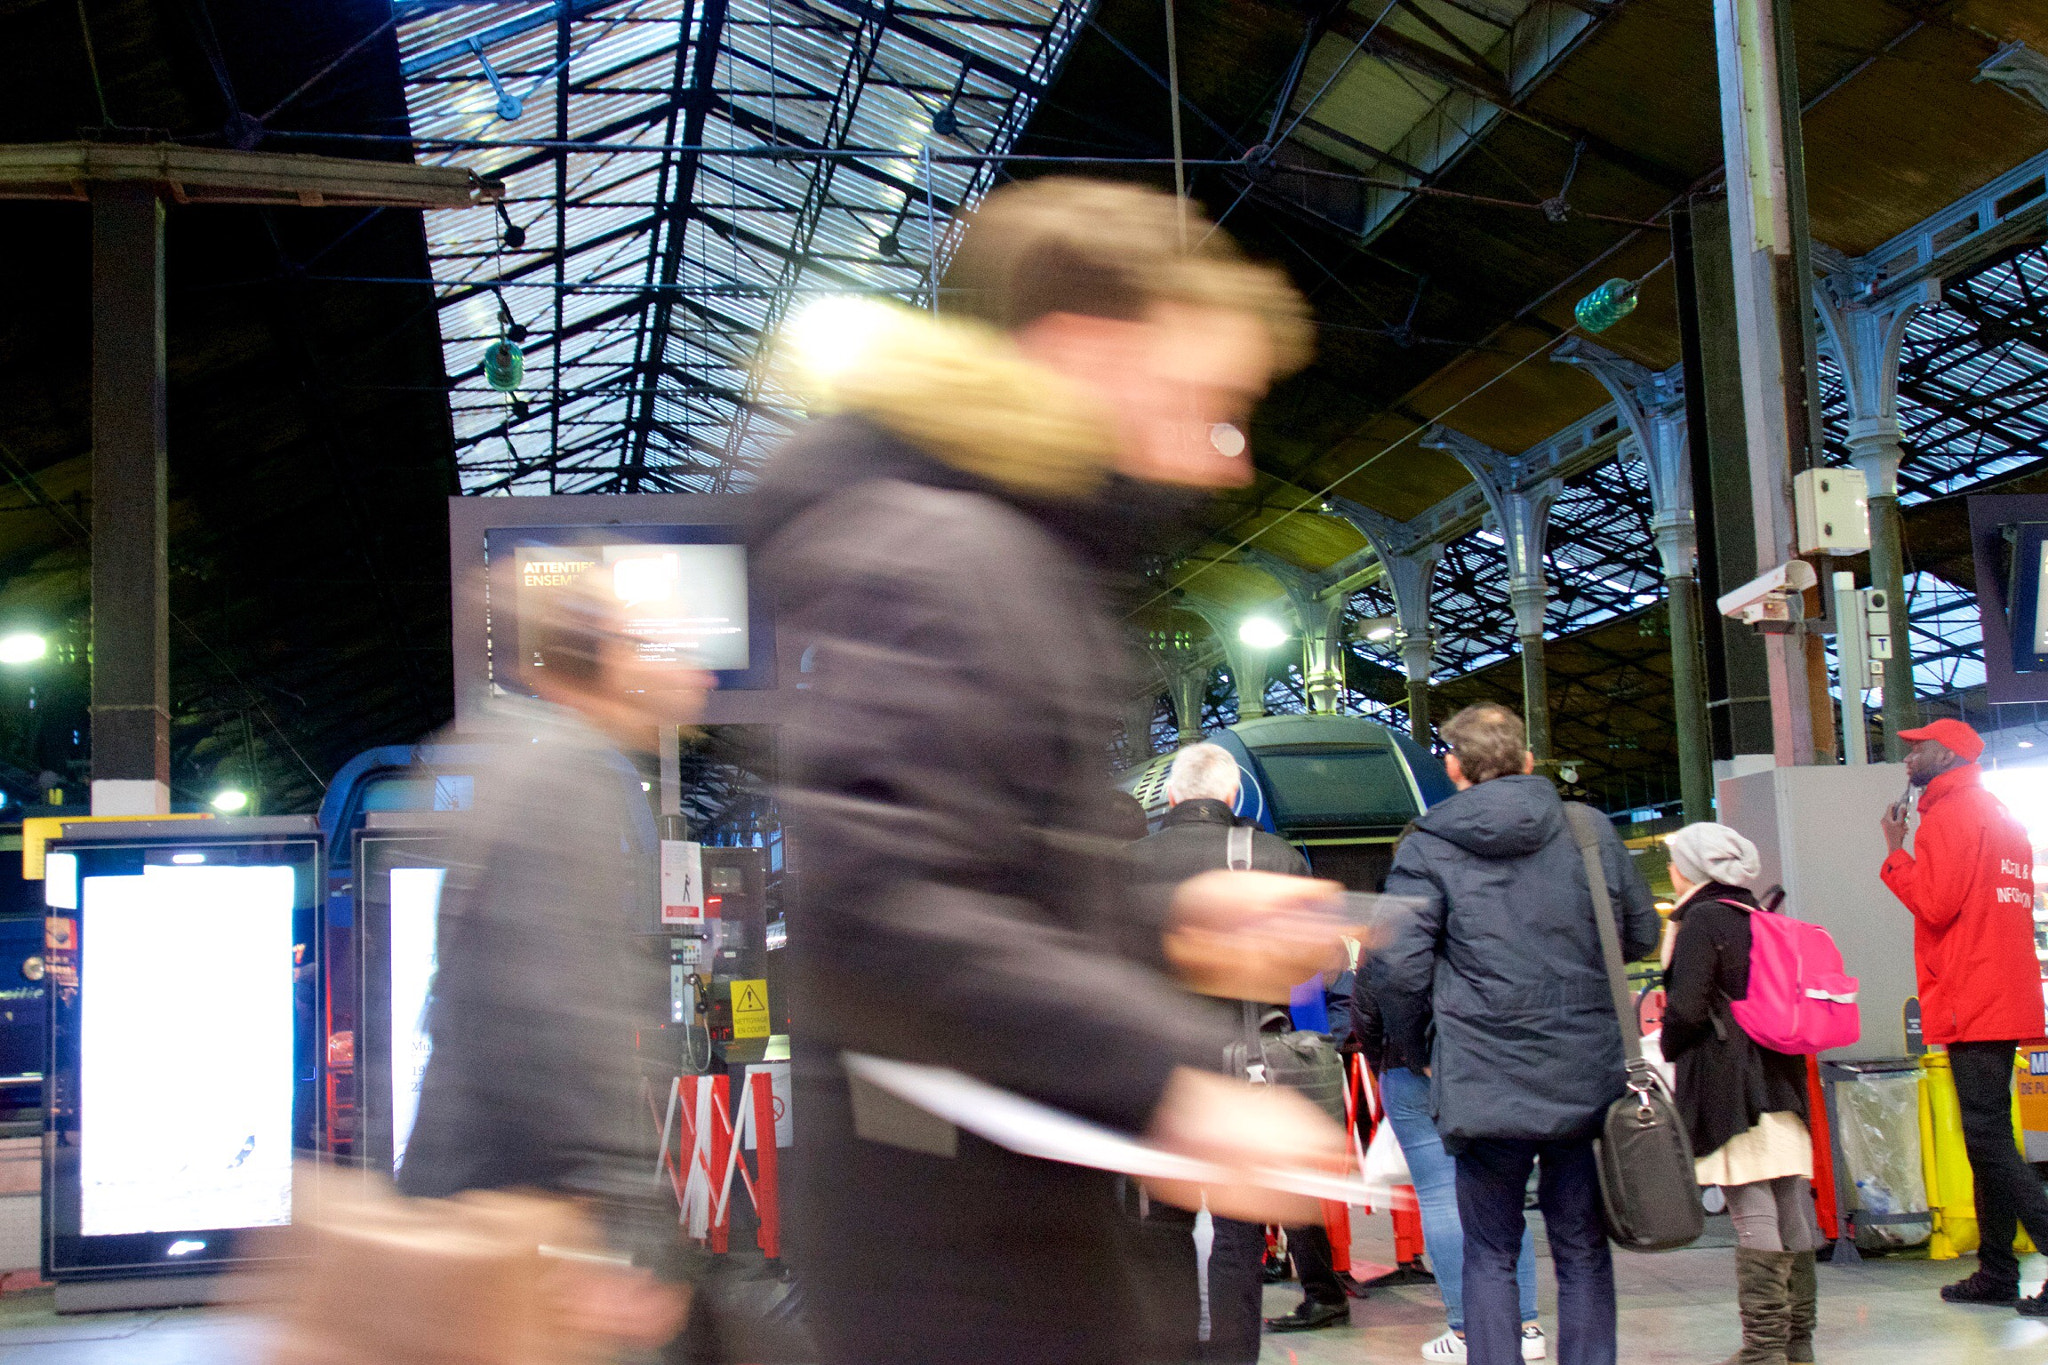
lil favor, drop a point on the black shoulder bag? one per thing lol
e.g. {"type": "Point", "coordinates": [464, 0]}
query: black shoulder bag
{"type": "Point", "coordinates": [1647, 1187]}
{"type": "Point", "coordinates": [1303, 1061]}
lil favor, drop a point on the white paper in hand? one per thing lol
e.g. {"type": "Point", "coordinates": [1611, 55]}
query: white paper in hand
{"type": "Point", "coordinates": [1032, 1129]}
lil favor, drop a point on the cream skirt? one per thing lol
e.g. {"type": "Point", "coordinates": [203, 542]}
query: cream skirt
{"type": "Point", "coordinates": [1777, 1146]}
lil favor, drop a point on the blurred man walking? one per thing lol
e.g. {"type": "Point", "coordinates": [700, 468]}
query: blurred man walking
{"type": "Point", "coordinates": [940, 547]}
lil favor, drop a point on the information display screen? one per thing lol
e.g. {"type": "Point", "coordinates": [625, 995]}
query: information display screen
{"type": "Point", "coordinates": [1338, 785]}
{"type": "Point", "coordinates": [683, 591]}
{"type": "Point", "coordinates": [2029, 597]}
{"type": "Point", "coordinates": [399, 881]}
{"type": "Point", "coordinates": [184, 979]}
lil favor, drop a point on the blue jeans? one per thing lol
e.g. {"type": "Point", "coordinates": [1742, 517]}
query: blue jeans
{"type": "Point", "coordinates": [1406, 1096]}
{"type": "Point", "coordinates": [1493, 1178]}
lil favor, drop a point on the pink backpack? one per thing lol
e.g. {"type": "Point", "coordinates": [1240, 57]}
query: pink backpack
{"type": "Point", "coordinates": [1799, 1000]}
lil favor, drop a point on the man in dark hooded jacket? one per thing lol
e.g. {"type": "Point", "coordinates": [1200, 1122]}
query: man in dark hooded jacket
{"type": "Point", "coordinates": [1503, 955]}
{"type": "Point", "coordinates": [939, 548]}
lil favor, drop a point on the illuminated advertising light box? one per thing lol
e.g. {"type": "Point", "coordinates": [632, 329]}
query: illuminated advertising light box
{"type": "Point", "coordinates": [184, 976]}
{"type": "Point", "coordinates": [399, 881]}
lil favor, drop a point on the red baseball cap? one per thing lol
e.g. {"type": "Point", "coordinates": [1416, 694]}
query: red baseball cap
{"type": "Point", "coordinates": [1952, 735]}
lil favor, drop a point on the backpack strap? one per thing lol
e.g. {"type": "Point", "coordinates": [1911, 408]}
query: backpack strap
{"type": "Point", "coordinates": [1237, 855]}
{"type": "Point", "coordinates": [1238, 848]}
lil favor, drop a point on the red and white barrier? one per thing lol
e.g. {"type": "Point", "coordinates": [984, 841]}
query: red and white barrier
{"type": "Point", "coordinates": [701, 1145]}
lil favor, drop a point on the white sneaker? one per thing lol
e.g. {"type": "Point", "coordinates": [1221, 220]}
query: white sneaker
{"type": "Point", "coordinates": [1533, 1345]}
{"type": "Point", "coordinates": [1449, 1346]}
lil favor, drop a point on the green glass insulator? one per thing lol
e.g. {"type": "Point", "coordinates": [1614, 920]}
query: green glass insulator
{"type": "Point", "coordinates": [1607, 305]}
{"type": "Point", "coordinates": [504, 365]}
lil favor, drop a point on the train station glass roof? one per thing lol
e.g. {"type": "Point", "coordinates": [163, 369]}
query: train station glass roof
{"type": "Point", "coordinates": [680, 176]}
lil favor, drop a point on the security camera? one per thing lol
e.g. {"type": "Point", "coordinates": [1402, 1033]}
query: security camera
{"type": "Point", "coordinates": [1766, 600]}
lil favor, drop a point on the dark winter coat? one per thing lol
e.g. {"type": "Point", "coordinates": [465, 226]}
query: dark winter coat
{"type": "Point", "coordinates": [1726, 1082]}
{"type": "Point", "coordinates": [960, 900]}
{"type": "Point", "coordinates": [1193, 838]}
{"type": "Point", "coordinates": [1382, 1050]}
{"type": "Point", "coordinates": [1501, 950]}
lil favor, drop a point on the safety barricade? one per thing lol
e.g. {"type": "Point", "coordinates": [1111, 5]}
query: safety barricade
{"type": "Point", "coordinates": [701, 1144]}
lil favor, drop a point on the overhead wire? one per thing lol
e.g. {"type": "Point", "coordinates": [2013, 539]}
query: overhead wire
{"type": "Point", "coordinates": [92, 62]}
{"type": "Point", "coordinates": [1180, 170]}
{"type": "Point", "coordinates": [1317, 496]}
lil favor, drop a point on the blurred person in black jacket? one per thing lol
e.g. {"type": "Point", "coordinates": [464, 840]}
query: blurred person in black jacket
{"type": "Point", "coordinates": [543, 974]}
{"type": "Point", "coordinates": [1193, 838]}
{"type": "Point", "coordinates": [943, 546]}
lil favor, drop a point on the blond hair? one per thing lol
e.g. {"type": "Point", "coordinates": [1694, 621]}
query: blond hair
{"type": "Point", "coordinates": [1107, 249]}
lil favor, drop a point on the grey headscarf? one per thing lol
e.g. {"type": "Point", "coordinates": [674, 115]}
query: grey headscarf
{"type": "Point", "coordinates": [1714, 853]}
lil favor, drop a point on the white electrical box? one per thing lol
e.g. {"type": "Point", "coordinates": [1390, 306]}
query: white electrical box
{"type": "Point", "coordinates": [1832, 509]}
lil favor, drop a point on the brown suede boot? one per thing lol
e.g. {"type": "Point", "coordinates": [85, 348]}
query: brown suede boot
{"type": "Point", "coordinates": [1760, 1286]}
{"type": "Point", "coordinates": [1802, 1298]}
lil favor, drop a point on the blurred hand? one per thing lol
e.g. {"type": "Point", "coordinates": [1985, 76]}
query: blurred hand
{"type": "Point", "coordinates": [1244, 1127]}
{"type": "Point", "coordinates": [622, 1304]}
{"type": "Point", "coordinates": [1893, 823]}
{"type": "Point", "coordinates": [1253, 935]}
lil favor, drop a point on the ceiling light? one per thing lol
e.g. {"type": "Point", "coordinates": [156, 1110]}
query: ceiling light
{"type": "Point", "coordinates": [829, 336]}
{"type": "Point", "coordinates": [229, 801]}
{"type": "Point", "coordinates": [1377, 629]}
{"type": "Point", "coordinates": [22, 647]}
{"type": "Point", "coordinates": [1262, 632]}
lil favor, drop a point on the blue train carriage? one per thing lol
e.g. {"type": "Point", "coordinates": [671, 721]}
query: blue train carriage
{"type": "Point", "coordinates": [1340, 788]}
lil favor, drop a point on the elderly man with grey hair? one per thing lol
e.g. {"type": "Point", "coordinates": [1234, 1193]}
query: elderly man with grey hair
{"type": "Point", "coordinates": [1202, 788]}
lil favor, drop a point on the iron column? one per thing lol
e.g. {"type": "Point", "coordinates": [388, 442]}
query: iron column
{"type": "Point", "coordinates": [131, 718]}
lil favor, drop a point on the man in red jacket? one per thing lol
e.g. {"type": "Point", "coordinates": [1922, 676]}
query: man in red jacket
{"type": "Point", "coordinates": [1970, 885]}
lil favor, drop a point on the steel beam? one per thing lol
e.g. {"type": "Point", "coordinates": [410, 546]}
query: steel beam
{"type": "Point", "coordinates": [1758, 133]}
{"type": "Point", "coordinates": [214, 175]}
{"type": "Point", "coordinates": [1522, 512]}
{"type": "Point", "coordinates": [1653, 405]}
{"type": "Point", "coordinates": [131, 670]}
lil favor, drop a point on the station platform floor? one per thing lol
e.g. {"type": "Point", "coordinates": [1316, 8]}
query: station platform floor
{"type": "Point", "coordinates": [1676, 1309]}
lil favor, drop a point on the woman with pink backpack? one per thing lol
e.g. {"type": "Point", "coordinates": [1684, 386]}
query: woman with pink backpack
{"type": "Point", "coordinates": [1743, 1103]}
